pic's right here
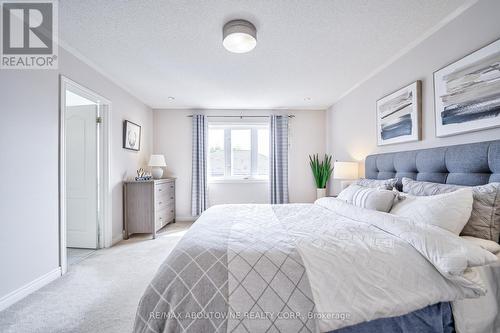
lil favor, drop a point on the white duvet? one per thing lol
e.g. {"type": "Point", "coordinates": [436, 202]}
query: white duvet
{"type": "Point", "coordinates": [343, 264]}
{"type": "Point", "coordinates": [481, 315]}
{"type": "Point", "coordinates": [363, 265]}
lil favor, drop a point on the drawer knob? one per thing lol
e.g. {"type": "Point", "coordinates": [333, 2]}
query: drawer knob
{"type": "Point", "coordinates": [160, 218]}
{"type": "Point", "coordinates": [172, 211]}
{"type": "Point", "coordinates": [171, 198]}
{"type": "Point", "coordinates": [171, 186]}
{"type": "Point", "coordinates": [159, 190]}
{"type": "Point", "coordinates": [159, 203]}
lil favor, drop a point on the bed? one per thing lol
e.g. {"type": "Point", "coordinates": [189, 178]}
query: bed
{"type": "Point", "coordinates": [328, 267]}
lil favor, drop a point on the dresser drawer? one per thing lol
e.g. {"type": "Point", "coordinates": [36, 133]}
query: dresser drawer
{"type": "Point", "coordinates": [165, 189]}
{"type": "Point", "coordinates": [159, 223]}
{"type": "Point", "coordinates": [164, 216]}
{"type": "Point", "coordinates": [170, 214]}
{"type": "Point", "coordinates": [164, 201]}
{"type": "Point", "coordinates": [161, 219]}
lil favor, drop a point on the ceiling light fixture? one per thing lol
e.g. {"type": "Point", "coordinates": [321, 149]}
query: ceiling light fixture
{"type": "Point", "coordinates": [239, 36]}
{"type": "Point", "coordinates": [171, 98]}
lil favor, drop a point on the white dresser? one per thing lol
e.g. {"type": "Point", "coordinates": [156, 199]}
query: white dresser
{"type": "Point", "coordinates": [148, 205]}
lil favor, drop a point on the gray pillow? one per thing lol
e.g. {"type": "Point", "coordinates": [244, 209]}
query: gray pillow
{"type": "Point", "coordinates": [386, 184]}
{"type": "Point", "coordinates": [485, 218]}
{"type": "Point", "coordinates": [369, 198]}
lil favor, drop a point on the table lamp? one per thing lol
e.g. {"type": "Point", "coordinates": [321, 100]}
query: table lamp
{"type": "Point", "coordinates": [157, 163]}
{"type": "Point", "coordinates": [347, 172]}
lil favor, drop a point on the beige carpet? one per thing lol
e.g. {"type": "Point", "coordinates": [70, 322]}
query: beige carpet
{"type": "Point", "coordinates": [99, 294]}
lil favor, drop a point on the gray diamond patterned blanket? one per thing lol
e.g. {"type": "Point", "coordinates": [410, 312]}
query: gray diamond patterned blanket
{"type": "Point", "coordinates": [303, 268]}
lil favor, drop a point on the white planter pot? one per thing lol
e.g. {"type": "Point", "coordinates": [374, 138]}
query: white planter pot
{"type": "Point", "coordinates": [320, 193]}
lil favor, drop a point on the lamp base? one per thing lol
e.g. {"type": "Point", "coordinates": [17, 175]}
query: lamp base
{"type": "Point", "coordinates": [345, 183]}
{"type": "Point", "coordinates": [157, 172]}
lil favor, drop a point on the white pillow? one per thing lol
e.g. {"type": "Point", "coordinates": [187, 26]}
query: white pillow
{"type": "Point", "coordinates": [370, 198]}
{"type": "Point", "coordinates": [449, 211]}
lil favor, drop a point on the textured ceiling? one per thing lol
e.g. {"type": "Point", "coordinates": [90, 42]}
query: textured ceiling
{"type": "Point", "coordinates": [308, 53]}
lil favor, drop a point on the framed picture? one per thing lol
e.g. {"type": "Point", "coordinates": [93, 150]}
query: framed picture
{"type": "Point", "coordinates": [467, 93]}
{"type": "Point", "coordinates": [131, 136]}
{"type": "Point", "coordinates": [398, 115]}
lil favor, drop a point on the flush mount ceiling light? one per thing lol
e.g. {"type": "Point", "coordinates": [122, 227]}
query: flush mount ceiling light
{"type": "Point", "coordinates": [239, 36]}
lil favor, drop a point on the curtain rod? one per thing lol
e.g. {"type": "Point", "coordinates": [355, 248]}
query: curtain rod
{"type": "Point", "coordinates": [289, 116]}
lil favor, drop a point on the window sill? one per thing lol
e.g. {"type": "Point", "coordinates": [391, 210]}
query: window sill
{"type": "Point", "coordinates": [237, 180]}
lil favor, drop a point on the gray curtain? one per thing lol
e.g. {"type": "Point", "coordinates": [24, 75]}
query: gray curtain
{"type": "Point", "coordinates": [278, 166]}
{"type": "Point", "coordinates": [199, 169]}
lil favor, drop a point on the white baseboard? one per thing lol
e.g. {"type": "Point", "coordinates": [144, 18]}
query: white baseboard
{"type": "Point", "coordinates": [116, 239]}
{"type": "Point", "coordinates": [185, 218]}
{"type": "Point", "coordinates": [29, 288]}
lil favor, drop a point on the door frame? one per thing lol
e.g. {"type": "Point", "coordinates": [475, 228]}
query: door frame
{"type": "Point", "coordinates": [104, 218]}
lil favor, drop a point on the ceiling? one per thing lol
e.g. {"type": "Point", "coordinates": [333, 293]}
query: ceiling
{"type": "Point", "coordinates": [308, 54]}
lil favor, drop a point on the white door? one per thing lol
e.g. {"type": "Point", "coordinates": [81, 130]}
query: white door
{"type": "Point", "coordinates": [81, 176]}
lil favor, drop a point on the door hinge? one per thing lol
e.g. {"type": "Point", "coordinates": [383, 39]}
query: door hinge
{"type": "Point", "coordinates": [98, 120]}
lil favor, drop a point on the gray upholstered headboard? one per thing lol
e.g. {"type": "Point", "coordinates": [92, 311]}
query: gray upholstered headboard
{"type": "Point", "coordinates": [468, 164]}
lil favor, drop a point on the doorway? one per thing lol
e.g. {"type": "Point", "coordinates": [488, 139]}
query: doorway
{"type": "Point", "coordinates": [84, 173]}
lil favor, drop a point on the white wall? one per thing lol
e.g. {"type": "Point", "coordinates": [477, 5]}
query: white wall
{"type": "Point", "coordinates": [29, 238]}
{"type": "Point", "coordinates": [124, 163]}
{"type": "Point", "coordinates": [351, 122]}
{"type": "Point", "coordinates": [172, 137]}
{"type": "Point", "coordinates": [233, 193]}
{"type": "Point", "coordinates": [29, 131]}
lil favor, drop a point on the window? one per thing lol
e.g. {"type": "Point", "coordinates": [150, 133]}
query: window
{"type": "Point", "coordinates": [238, 151]}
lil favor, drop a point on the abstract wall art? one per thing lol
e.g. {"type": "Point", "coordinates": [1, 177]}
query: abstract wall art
{"type": "Point", "coordinates": [398, 115]}
{"type": "Point", "coordinates": [467, 93]}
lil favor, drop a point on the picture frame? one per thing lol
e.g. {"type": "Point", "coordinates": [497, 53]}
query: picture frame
{"type": "Point", "coordinates": [131, 136]}
{"type": "Point", "coordinates": [467, 93]}
{"type": "Point", "coordinates": [399, 115]}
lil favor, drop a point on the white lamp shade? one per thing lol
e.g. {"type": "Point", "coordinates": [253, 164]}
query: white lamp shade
{"type": "Point", "coordinates": [157, 161]}
{"type": "Point", "coordinates": [345, 170]}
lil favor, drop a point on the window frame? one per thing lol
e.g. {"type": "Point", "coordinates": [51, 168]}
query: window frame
{"type": "Point", "coordinates": [228, 158]}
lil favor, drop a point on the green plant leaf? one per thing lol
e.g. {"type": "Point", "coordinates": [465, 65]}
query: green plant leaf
{"type": "Point", "coordinates": [321, 170]}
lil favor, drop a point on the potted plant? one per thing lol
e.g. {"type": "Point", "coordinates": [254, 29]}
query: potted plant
{"type": "Point", "coordinates": [322, 171]}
